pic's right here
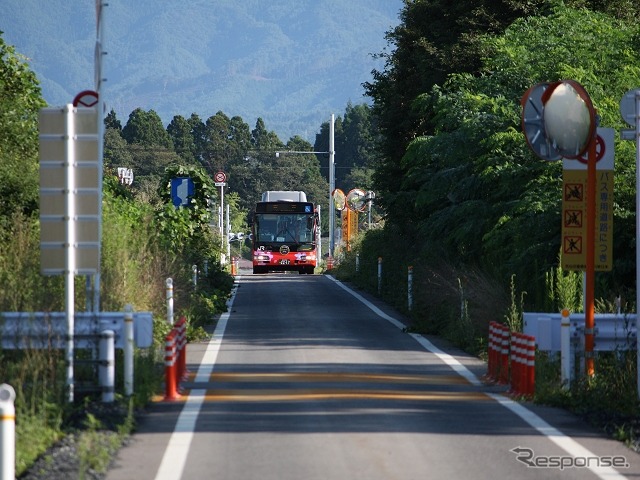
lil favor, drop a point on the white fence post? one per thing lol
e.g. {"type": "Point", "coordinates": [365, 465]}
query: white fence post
{"type": "Point", "coordinates": [194, 268]}
{"type": "Point", "coordinates": [107, 366]}
{"type": "Point", "coordinates": [7, 432]}
{"type": "Point", "coordinates": [128, 350]}
{"type": "Point", "coordinates": [169, 284]}
{"type": "Point", "coordinates": [410, 287]}
{"type": "Point", "coordinates": [565, 349]}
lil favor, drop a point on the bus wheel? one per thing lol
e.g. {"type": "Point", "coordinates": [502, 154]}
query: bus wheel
{"type": "Point", "coordinates": [259, 270]}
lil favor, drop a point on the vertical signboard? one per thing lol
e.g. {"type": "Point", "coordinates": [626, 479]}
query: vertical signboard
{"type": "Point", "coordinates": [69, 190]}
{"type": "Point", "coordinates": [574, 207]}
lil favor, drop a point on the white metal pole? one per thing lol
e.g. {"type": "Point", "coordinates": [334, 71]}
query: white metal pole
{"type": "Point", "coordinates": [332, 186]}
{"type": "Point", "coordinates": [7, 432]}
{"type": "Point", "coordinates": [169, 284]}
{"type": "Point", "coordinates": [319, 238]}
{"type": "Point", "coordinates": [565, 349]}
{"type": "Point", "coordinates": [70, 243]}
{"type": "Point", "coordinates": [107, 368]}
{"type": "Point", "coordinates": [128, 350]}
{"type": "Point", "coordinates": [227, 236]}
{"type": "Point", "coordinates": [410, 287]}
{"type": "Point", "coordinates": [100, 106]}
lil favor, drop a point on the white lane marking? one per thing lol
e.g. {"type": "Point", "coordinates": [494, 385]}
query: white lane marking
{"type": "Point", "coordinates": [175, 455]}
{"type": "Point", "coordinates": [565, 442]}
{"type": "Point", "coordinates": [568, 444]}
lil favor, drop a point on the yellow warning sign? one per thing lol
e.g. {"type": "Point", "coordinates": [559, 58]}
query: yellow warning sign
{"type": "Point", "coordinates": [574, 225]}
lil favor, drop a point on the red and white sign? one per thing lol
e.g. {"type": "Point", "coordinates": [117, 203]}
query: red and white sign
{"type": "Point", "coordinates": [86, 98]}
{"type": "Point", "coordinates": [605, 149]}
{"type": "Point", "coordinates": [220, 177]}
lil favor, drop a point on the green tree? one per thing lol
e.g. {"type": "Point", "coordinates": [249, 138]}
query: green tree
{"type": "Point", "coordinates": [181, 133]}
{"type": "Point", "coordinates": [20, 102]}
{"type": "Point", "coordinates": [186, 230]}
{"type": "Point", "coordinates": [474, 189]}
{"type": "Point", "coordinates": [146, 129]}
{"type": "Point", "coordinates": [111, 121]}
{"type": "Point", "coordinates": [116, 152]}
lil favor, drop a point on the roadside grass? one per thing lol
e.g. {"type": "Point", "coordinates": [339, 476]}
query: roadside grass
{"type": "Point", "coordinates": [134, 270]}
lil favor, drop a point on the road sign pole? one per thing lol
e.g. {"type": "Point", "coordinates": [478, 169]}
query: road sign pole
{"type": "Point", "coordinates": [591, 251]}
{"type": "Point", "coordinates": [70, 243]}
{"type": "Point", "coordinates": [332, 186]}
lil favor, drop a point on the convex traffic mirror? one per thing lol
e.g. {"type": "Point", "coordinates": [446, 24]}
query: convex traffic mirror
{"type": "Point", "coordinates": [569, 118]}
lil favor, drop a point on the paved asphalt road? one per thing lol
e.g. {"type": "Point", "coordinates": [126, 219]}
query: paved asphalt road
{"type": "Point", "coordinates": [305, 379]}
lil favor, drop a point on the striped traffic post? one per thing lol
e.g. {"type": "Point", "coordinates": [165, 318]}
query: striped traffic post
{"type": "Point", "coordinates": [492, 365]}
{"type": "Point", "coordinates": [170, 367]}
{"type": "Point", "coordinates": [182, 348]}
{"type": "Point", "coordinates": [514, 364]}
{"type": "Point", "coordinates": [504, 355]}
{"type": "Point", "coordinates": [530, 361]}
{"type": "Point", "coordinates": [7, 432]}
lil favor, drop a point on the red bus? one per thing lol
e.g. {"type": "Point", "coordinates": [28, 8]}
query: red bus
{"type": "Point", "coordinates": [284, 231]}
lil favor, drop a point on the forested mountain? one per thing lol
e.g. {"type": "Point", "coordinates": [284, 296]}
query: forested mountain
{"type": "Point", "coordinates": [290, 62]}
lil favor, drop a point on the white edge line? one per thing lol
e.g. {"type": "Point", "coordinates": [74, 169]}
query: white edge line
{"type": "Point", "coordinates": [565, 442]}
{"type": "Point", "coordinates": [175, 455]}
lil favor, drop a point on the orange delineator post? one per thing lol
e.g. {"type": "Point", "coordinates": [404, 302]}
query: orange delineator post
{"type": "Point", "coordinates": [530, 358]}
{"type": "Point", "coordinates": [492, 367]}
{"type": "Point", "coordinates": [515, 364]}
{"type": "Point", "coordinates": [234, 266]}
{"type": "Point", "coordinates": [181, 346]}
{"type": "Point", "coordinates": [504, 355]}
{"type": "Point", "coordinates": [511, 359]}
{"type": "Point", "coordinates": [170, 367]}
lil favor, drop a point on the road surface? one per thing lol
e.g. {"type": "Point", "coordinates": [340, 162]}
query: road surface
{"type": "Point", "coordinates": [307, 379]}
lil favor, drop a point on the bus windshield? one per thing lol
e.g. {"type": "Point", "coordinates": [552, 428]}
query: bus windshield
{"type": "Point", "coordinates": [284, 227]}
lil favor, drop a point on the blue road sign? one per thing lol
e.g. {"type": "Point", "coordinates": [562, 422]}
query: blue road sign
{"type": "Point", "coordinates": [182, 190]}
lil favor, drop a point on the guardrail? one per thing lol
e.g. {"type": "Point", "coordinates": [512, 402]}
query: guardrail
{"type": "Point", "coordinates": [37, 330]}
{"type": "Point", "coordinates": [612, 331]}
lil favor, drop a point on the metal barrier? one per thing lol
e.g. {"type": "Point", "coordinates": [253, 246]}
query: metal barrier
{"type": "Point", "coordinates": [38, 330]}
{"type": "Point", "coordinates": [612, 331]}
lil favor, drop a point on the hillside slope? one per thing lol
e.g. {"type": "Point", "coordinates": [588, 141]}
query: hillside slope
{"type": "Point", "coordinates": [291, 62]}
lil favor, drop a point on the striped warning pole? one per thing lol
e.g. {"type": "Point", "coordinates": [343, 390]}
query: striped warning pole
{"type": "Point", "coordinates": [490, 353]}
{"type": "Point", "coordinates": [530, 365]}
{"type": "Point", "coordinates": [492, 367]}
{"type": "Point", "coordinates": [7, 432]}
{"type": "Point", "coordinates": [170, 367]}
{"type": "Point", "coordinates": [515, 364]}
{"type": "Point", "coordinates": [182, 348]}
{"type": "Point", "coordinates": [504, 354]}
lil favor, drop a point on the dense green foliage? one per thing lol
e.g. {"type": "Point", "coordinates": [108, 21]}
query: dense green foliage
{"type": "Point", "coordinates": [463, 183]}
